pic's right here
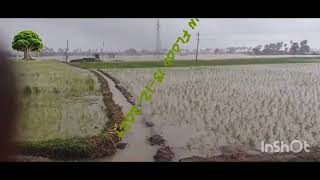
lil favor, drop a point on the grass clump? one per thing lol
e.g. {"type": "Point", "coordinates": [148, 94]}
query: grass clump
{"type": "Point", "coordinates": [69, 149]}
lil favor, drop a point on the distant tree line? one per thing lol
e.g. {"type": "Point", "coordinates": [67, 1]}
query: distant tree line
{"type": "Point", "coordinates": [277, 48]}
{"type": "Point", "coordinates": [281, 48]}
{"type": "Point", "coordinates": [93, 52]}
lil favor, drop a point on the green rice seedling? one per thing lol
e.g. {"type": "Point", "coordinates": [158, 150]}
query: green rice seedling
{"type": "Point", "coordinates": [54, 94]}
{"type": "Point", "coordinates": [216, 106]}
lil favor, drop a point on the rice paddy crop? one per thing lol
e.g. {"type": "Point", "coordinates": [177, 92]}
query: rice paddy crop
{"type": "Point", "coordinates": [58, 101]}
{"type": "Point", "coordinates": [198, 109]}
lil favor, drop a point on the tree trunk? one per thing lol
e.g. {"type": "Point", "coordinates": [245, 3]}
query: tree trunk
{"type": "Point", "coordinates": [25, 55]}
{"type": "Point", "coordinates": [29, 57]}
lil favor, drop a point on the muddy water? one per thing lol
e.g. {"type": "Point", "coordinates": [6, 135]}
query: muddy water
{"type": "Point", "coordinates": [137, 148]}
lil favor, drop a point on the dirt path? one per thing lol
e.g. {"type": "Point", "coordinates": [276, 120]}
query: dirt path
{"type": "Point", "coordinates": [137, 148]}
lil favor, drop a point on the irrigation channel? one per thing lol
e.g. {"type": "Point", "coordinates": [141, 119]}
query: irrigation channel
{"type": "Point", "coordinates": [137, 148]}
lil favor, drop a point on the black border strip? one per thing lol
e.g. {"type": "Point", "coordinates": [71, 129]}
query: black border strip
{"type": "Point", "coordinates": [159, 9]}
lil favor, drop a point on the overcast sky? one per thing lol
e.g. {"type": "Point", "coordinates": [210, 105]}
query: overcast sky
{"type": "Point", "coordinates": [119, 34]}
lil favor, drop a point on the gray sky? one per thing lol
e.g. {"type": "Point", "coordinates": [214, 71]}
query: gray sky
{"type": "Point", "coordinates": [140, 33]}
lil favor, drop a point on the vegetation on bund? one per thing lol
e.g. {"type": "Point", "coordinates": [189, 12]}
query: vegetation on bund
{"type": "Point", "coordinates": [65, 113]}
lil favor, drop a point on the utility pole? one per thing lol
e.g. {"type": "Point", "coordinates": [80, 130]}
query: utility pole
{"type": "Point", "coordinates": [198, 34]}
{"type": "Point", "coordinates": [157, 53]}
{"type": "Point", "coordinates": [102, 49]}
{"type": "Point", "coordinates": [67, 50]}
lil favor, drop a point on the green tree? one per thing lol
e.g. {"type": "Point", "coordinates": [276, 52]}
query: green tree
{"type": "Point", "coordinates": [279, 46]}
{"type": "Point", "coordinates": [304, 47]}
{"type": "Point", "coordinates": [257, 49]}
{"type": "Point", "coordinates": [294, 48]}
{"type": "Point", "coordinates": [285, 48]}
{"type": "Point", "coordinates": [27, 41]}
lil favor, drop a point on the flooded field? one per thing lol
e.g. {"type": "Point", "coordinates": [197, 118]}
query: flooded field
{"type": "Point", "coordinates": [199, 109]}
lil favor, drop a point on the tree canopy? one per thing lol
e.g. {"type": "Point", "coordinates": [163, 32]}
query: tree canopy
{"type": "Point", "coordinates": [27, 41]}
